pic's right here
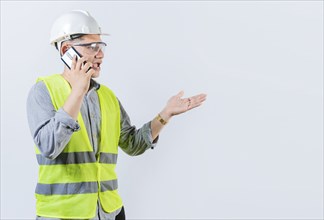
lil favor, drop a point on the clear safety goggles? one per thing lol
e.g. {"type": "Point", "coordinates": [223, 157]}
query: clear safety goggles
{"type": "Point", "coordinates": [93, 47]}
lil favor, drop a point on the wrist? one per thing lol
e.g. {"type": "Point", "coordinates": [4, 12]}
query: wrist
{"type": "Point", "coordinates": [165, 115]}
{"type": "Point", "coordinates": [78, 92]}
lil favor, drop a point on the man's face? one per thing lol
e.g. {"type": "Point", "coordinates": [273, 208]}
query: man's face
{"type": "Point", "coordinates": [93, 54]}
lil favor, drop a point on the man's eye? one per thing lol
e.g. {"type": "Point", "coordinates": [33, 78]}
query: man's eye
{"type": "Point", "coordinates": [96, 48]}
{"type": "Point", "coordinates": [92, 48]}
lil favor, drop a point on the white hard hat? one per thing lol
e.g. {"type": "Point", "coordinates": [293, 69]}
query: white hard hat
{"type": "Point", "coordinates": [73, 23]}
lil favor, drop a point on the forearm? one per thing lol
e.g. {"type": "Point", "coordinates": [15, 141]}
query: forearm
{"type": "Point", "coordinates": [157, 125]}
{"type": "Point", "coordinates": [51, 130]}
{"type": "Point", "coordinates": [134, 141]}
{"type": "Point", "coordinates": [73, 104]}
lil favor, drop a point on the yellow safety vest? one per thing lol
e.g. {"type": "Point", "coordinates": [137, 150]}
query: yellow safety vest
{"type": "Point", "coordinates": [70, 185]}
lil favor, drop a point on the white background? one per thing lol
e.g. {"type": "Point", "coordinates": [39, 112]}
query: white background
{"type": "Point", "coordinates": [253, 150]}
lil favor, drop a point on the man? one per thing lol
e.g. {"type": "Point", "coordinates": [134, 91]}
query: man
{"type": "Point", "coordinates": [77, 125]}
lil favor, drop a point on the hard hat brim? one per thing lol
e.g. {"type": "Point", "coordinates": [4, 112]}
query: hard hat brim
{"type": "Point", "coordinates": [66, 37]}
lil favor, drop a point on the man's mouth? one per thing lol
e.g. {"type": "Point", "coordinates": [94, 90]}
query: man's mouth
{"type": "Point", "coordinates": [96, 66]}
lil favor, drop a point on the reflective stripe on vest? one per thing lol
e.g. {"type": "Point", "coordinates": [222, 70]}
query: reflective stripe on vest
{"type": "Point", "coordinates": [77, 158]}
{"type": "Point", "coordinates": [70, 185]}
{"type": "Point", "coordinates": [75, 188]}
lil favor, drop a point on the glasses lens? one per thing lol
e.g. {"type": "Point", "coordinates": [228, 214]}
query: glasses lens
{"type": "Point", "coordinates": [100, 46]}
{"type": "Point", "coordinates": [95, 47]}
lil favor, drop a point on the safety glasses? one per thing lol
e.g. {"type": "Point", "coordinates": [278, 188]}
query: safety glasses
{"type": "Point", "coordinates": [93, 47]}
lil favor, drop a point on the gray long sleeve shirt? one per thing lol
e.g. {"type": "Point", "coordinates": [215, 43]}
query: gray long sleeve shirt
{"type": "Point", "coordinates": [52, 130]}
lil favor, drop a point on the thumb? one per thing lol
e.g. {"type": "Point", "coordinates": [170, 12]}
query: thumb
{"type": "Point", "coordinates": [180, 94]}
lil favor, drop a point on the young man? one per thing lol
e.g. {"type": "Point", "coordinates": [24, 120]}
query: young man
{"type": "Point", "coordinates": [77, 125]}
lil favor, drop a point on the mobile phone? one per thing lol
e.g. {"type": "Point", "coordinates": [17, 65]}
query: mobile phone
{"type": "Point", "coordinates": [68, 56]}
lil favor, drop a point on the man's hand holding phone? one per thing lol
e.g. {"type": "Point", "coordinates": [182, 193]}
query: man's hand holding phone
{"type": "Point", "coordinates": [79, 75]}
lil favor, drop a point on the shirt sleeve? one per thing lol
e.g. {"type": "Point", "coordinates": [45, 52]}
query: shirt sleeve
{"type": "Point", "coordinates": [51, 130]}
{"type": "Point", "coordinates": [134, 141]}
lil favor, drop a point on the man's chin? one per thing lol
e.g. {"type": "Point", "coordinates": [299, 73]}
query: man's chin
{"type": "Point", "coordinates": [96, 74]}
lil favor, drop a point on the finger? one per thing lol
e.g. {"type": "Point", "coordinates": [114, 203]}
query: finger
{"type": "Point", "coordinates": [200, 96]}
{"type": "Point", "coordinates": [74, 60]}
{"type": "Point", "coordinates": [197, 101]}
{"type": "Point", "coordinates": [180, 94]}
{"type": "Point", "coordinates": [80, 63]}
{"type": "Point", "coordinates": [194, 106]}
{"type": "Point", "coordinates": [90, 73]}
{"type": "Point", "coordinates": [86, 67]}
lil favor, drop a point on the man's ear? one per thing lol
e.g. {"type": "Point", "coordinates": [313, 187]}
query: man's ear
{"type": "Point", "coordinates": [64, 48]}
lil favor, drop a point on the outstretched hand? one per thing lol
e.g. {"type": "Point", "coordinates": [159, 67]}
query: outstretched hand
{"type": "Point", "coordinates": [177, 105]}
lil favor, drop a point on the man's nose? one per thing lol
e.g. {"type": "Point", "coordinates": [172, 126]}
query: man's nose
{"type": "Point", "coordinates": [100, 54]}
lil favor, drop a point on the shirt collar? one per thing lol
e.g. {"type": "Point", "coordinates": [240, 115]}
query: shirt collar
{"type": "Point", "coordinates": [94, 84]}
